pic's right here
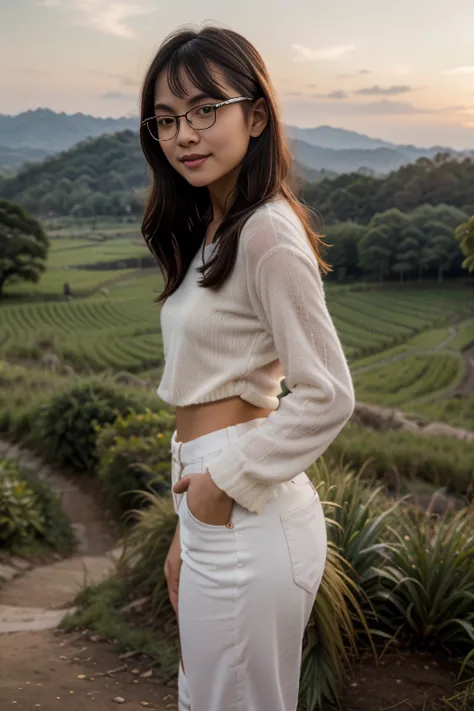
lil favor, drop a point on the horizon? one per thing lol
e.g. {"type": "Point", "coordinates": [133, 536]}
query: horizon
{"type": "Point", "coordinates": [329, 66]}
{"type": "Point", "coordinates": [127, 118]}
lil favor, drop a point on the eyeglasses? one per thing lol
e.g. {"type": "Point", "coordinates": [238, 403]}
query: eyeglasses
{"type": "Point", "coordinates": [164, 128]}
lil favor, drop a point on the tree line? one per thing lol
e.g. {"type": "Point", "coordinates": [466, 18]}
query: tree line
{"type": "Point", "coordinates": [430, 240]}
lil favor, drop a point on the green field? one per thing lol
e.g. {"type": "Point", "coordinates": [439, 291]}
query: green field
{"type": "Point", "coordinates": [404, 344]}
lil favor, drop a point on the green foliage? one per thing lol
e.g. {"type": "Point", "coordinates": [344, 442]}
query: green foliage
{"type": "Point", "coordinates": [357, 197]}
{"type": "Point", "coordinates": [428, 585]}
{"type": "Point", "coordinates": [396, 243]}
{"type": "Point", "coordinates": [67, 426]}
{"type": "Point", "coordinates": [357, 515]}
{"type": "Point", "coordinates": [134, 456]}
{"type": "Point", "coordinates": [31, 513]}
{"type": "Point", "coordinates": [23, 245]}
{"type": "Point", "coordinates": [399, 382]}
{"type": "Point", "coordinates": [97, 176]}
{"type": "Point", "coordinates": [465, 236]}
{"type": "Point", "coordinates": [21, 519]}
{"type": "Point", "coordinates": [441, 461]}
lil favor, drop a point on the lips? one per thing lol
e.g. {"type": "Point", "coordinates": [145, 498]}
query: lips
{"type": "Point", "coordinates": [194, 160]}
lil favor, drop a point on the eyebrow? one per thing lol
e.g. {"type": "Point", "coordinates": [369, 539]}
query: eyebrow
{"type": "Point", "coordinates": [194, 100]}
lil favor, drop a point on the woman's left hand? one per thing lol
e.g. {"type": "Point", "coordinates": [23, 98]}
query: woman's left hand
{"type": "Point", "coordinates": [206, 501]}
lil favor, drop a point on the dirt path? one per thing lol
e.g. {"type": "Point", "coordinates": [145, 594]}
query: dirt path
{"type": "Point", "coordinates": [42, 668]}
{"type": "Point", "coordinates": [48, 670]}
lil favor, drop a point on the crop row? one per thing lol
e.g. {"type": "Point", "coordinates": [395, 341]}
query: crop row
{"type": "Point", "coordinates": [405, 380]}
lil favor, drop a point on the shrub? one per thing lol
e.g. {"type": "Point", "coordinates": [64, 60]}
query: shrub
{"type": "Point", "coordinates": [134, 456]}
{"type": "Point", "coordinates": [21, 519]}
{"type": "Point", "coordinates": [67, 426]}
{"type": "Point", "coordinates": [31, 512]}
{"type": "Point", "coordinates": [427, 590]}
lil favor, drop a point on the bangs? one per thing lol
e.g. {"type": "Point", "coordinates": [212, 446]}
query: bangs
{"type": "Point", "coordinates": [189, 62]}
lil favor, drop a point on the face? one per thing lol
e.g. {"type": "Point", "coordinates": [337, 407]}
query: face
{"type": "Point", "coordinates": [216, 153]}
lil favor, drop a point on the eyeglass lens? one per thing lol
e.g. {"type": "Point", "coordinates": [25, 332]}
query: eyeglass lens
{"type": "Point", "coordinates": [164, 128]}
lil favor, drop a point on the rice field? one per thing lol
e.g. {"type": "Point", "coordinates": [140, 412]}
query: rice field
{"type": "Point", "coordinates": [401, 344]}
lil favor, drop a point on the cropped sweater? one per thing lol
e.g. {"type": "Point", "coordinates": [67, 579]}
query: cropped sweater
{"type": "Point", "coordinates": [268, 321]}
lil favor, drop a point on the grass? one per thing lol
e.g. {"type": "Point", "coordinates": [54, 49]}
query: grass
{"type": "Point", "coordinates": [100, 612]}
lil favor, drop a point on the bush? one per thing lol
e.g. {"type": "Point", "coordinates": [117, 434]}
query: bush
{"type": "Point", "coordinates": [21, 519]}
{"type": "Point", "coordinates": [135, 456]}
{"type": "Point", "coordinates": [31, 512]}
{"type": "Point", "coordinates": [67, 426]}
{"type": "Point", "coordinates": [427, 588]}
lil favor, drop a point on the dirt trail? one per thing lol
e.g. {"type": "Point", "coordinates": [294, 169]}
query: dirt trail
{"type": "Point", "coordinates": [49, 670]}
{"type": "Point", "coordinates": [42, 668]}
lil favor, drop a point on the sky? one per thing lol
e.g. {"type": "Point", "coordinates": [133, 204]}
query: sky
{"type": "Point", "coordinates": [401, 71]}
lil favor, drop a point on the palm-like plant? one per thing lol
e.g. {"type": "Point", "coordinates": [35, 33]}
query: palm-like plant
{"type": "Point", "coordinates": [428, 587]}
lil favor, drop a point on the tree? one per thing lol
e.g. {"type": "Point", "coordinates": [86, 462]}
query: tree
{"type": "Point", "coordinates": [23, 245]}
{"type": "Point", "coordinates": [465, 236]}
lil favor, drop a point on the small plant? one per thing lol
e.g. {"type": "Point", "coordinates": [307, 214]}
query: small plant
{"type": "Point", "coordinates": [31, 516]}
{"type": "Point", "coordinates": [428, 586]}
{"type": "Point", "coordinates": [21, 519]}
{"type": "Point", "coordinates": [135, 456]}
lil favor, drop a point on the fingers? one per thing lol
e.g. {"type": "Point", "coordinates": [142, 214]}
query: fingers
{"type": "Point", "coordinates": [182, 485]}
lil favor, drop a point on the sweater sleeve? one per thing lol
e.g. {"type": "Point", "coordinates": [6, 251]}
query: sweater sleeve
{"type": "Point", "coordinates": [287, 294]}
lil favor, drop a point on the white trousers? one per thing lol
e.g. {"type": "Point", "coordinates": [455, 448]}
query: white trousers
{"type": "Point", "coordinates": [246, 590]}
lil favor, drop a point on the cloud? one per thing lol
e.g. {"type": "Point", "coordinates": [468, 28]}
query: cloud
{"type": "Point", "coordinates": [360, 73]}
{"type": "Point", "coordinates": [337, 94]}
{"type": "Point", "coordinates": [388, 91]}
{"type": "Point", "coordinates": [125, 80]}
{"type": "Point", "coordinates": [111, 18]}
{"type": "Point", "coordinates": [118, 96]}
{"type": "Point", "coordinates": [384, 107]}
{"type": "Point", "coordinates": [305, 54]}
{"type": "Point", "coordinates": [466, 69]}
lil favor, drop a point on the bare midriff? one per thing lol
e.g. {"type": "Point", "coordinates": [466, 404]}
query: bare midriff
{"type": "Point", "coordinates": [198, 420]}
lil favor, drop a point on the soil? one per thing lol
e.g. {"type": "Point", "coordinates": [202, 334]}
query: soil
{"type": "Point", "coordinates": [403, 681]}
{"type": "Point", "coordinates": [50, 670]}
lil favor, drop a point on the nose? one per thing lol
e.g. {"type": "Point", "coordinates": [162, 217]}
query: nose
{"type": "Point", "coordinates": [186, 133]}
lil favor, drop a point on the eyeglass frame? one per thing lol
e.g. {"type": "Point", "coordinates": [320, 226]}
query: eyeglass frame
{"type": "Point", "coordinates": [177, 117]}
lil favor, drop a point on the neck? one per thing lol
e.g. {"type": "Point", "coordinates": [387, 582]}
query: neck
{"type": "Point", "coordinates": [221, 193]}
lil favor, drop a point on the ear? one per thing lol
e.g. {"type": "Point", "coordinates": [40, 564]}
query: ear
{"type": "Point", "coordinates": [258, 117]}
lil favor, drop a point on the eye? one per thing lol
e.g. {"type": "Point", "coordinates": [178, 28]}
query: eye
{"type": "Point", "coordinates": [205, 110]}
{"type": "Point", "coordinates": [164, 120]}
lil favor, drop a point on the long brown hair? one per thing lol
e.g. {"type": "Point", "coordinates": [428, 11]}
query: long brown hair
{"type": "Point", "coordinates": [177, 214]}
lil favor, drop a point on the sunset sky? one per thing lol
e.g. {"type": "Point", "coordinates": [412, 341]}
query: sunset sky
{"type": "Point", "coordinates": [402, 71]}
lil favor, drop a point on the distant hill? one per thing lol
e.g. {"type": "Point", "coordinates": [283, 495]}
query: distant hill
{"type": "Point", "coordinates": [34, 134]}
{"type": "Point", "coordinates": [97, 176]}
{"type": "Point", "coordinates": [377, 161]}
{"type": "Point", "coordinates": [53, 132]}
{"type": "Point", "coordinates": [108, 176]}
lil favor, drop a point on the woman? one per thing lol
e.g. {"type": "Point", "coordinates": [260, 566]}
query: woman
{"type": "Point", "coordinates": [250, 544]}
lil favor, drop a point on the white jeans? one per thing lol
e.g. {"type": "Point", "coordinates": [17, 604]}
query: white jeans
{"type": "Point", "coordinates": [246, 590]}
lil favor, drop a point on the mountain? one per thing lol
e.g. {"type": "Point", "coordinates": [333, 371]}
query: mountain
{"type": "Point", "coordinates": [31, 135]}
{"type": "Point", "coordinates": [377, 161]}
{"type": "Point", "coordinates": [108, 176]}
{"type": "Point", "coordinates": [52, 132]}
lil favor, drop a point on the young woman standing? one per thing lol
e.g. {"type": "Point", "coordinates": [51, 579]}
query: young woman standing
{"type": "Point", "coordinates": [244, 307]}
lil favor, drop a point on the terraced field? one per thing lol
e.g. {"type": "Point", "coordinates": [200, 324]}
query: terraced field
{"type": "Point", "coordinates": [407, 347]}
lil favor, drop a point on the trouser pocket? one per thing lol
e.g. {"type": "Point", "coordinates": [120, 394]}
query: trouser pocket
{"type": "Point", "coordinates": [305, 532]}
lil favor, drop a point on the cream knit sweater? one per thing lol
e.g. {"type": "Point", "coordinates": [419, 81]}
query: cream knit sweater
{"type": "Point", "coordinates": [269, 321]}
